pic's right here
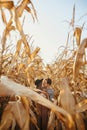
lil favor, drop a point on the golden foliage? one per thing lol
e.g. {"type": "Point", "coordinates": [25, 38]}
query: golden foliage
{"type": "Point", "coordinates": [12, 115]}
{"type": "Point", "coordinates": [3, 16]}
{"type": "Point", "coordinates": [6, 4]}
{"type": "Point", "coordinates": [77, 34]}
{"type": "Point", "coordinates": [80, 61]}
{"type": "Point", "coordinates": [68, 74]}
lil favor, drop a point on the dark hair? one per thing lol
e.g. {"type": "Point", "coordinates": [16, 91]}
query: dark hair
{"type": "Point", "coordinates": [38, 83]}
{"type": "Point", "coordinates": [49, 81]}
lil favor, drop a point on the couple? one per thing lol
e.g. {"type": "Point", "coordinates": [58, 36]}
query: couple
{"type": "Point", "coordinates": [46, 91]}
{"type": "Point", "coordinates": [45, 86]}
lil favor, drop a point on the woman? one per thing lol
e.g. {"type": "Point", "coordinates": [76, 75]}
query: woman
{"type": "Point", "coordinates": [42, 116]}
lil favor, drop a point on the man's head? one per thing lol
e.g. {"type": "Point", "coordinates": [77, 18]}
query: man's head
{"type": "Point", "coordinates": [49, 81]}
{"type": "Point", "coordinates": [46, 82]}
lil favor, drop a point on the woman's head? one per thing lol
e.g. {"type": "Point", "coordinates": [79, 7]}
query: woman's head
{"type": "Point", "coordinates": [38, 83]}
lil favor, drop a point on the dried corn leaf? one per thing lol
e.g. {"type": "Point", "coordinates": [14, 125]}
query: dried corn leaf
{"type": "Point", "coordinates": [79, 59]}
{"type": "Point", "coordinates": [52, 119]}
{"type": "Point", "coordinates": [19, 27]}
{"type": "Point", "coordinates": [34, 53]}
{"type": "Point", "coordinates": [67, 100]}
{"type": "Point", "coordinates": [73, 17]}
{"type": "Point", "coordinates": [3, 16]}
{"type": "Point", "coordinates": [6, 4]}
{"type": "Point", "coordinates": [25, 103]}
{"type": "Point", "coordinates": [13, 114]}
{"type": "Point", "coordinates": [8, 119]}
{"type": "Point", "coordinates": [79, 122]}
{"type": "Point", "coordinates": [77, 34]}
{"type": "Point", "coordinates": [11, 28]}
{"type": "Point", "coordinates": [81, 106]}
{"type": "Point", "coordinates": [4, 91]}
{"type": "Point", "coordinates": [8, 28]}
{"type": "Point", "coordinates": [32, 10]}
{"type": "Point", "coordinates": [21, 7]}
{"type": "Point", "coordinates": [21, 67]}
{"type": "Point", "coordinates": [18, 48]}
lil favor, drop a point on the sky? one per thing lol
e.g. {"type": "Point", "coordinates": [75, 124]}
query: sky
{"type": "Point", "coordinates": [51, 30]}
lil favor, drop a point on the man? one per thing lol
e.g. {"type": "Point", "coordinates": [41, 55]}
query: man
{"type": "Point", "coordinates": [46, 86]}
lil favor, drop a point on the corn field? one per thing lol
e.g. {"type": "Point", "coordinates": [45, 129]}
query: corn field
{"type": "Point", "coordinates": [19, 69]}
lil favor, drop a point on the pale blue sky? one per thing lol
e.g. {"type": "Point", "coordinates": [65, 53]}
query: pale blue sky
{"type": "Point", "coordinates": [51, 31]}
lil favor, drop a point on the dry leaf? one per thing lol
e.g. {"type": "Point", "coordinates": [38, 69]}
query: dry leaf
{"type": "Point", "coordinates": [81, 106]}
{"type": "Point", "coordinates": [77, 34]}
{"type": "Point", "coordinates": [67, 100]}
{"type": "Point", "coordinates": [79, 59]}
{"type": "Point", "coordinates": [3, 16]}
{"type": "Point", "coordinates": [34, 54]}
{"type": "Point", "coordinates": [6, 4]}
{"type": "Point", "coordinates": [21, 7]}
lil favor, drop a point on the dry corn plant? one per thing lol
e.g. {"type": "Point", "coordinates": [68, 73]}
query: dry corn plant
{"type": "Point", "coordinates": [80, 61]}
{"type": "Point", "coordinates": [68, 102]}
{"type": "Point", "coordinates": [25, 65]}
{"type": "Point", "coordinates": [72, 63]}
